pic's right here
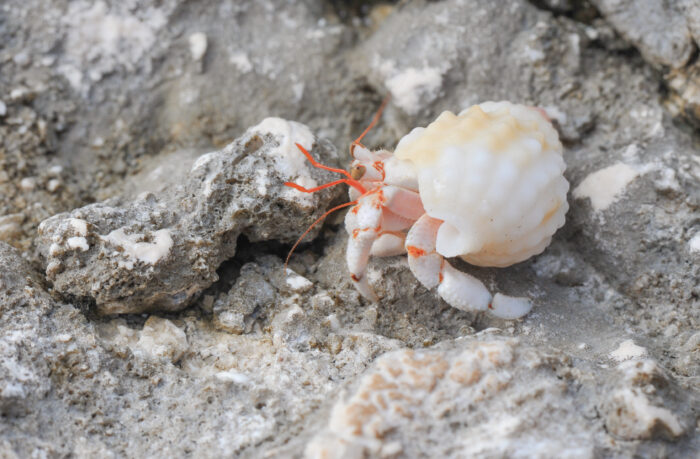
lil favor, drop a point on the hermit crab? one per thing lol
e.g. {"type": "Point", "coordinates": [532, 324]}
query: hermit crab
{"type": "Point", "coordinates": [485, 185]}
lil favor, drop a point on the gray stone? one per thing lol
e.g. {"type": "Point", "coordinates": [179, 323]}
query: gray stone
{"type": "Point", "coordinates": [636, 408]}
{"type": "Point", "coordinates": [250, 297]}
{"type": "Point", "coordinates": [161, 250]}
{"type": "Point", "coordinates": [24, 373]}
{"type": "Point", "coordinates": [683, 99]}
{"type": "Point", "coordinates": [667, 34]}
{"type": "Point", "coordinates": [658, 28]}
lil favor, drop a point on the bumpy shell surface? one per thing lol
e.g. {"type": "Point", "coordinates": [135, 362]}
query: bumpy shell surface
{"type": "Point", "coordinates": [494, 174]}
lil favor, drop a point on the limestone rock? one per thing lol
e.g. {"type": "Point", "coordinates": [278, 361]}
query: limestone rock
{"type": "Point", "coordinates": [496, 397]}
{"type": "Point", "coordinates": [161, 250]}
{"type": "Point", "coordinates": [658, 28]}
{"type": "Point", "coordinates": [643, 404]}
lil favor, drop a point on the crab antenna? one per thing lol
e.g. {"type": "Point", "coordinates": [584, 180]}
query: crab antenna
{"type": "Point", "coordinates": [350, 181]}
{"type": "Point", "coordinates": [318, 220]}
{"type": "Point", "coordinates": [371, 125]}
{"type": "Point", "coordinates": [314, 189]}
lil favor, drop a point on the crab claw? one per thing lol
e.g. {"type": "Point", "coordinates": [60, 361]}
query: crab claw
{"type": "Point", "coordinates": [509, 307]}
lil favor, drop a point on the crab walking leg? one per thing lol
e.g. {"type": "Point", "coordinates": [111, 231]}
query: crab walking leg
{"type": "Point", "coordinates": [402, 202]}
{"type": "Point", "coordinates": [375, 226]}
{"type": "Point", "coordinates": [388, 244]}
{"type": "Point", "coordinates": [363, 223]}
{"type": "Point", "coordinates": [401, 208]}
{"type": "Point", "coordinates": [459, 289]}
{"type": "Point", "coordinates": [390, 241]}
{"type": "Point", "coordinates": [510, 307]}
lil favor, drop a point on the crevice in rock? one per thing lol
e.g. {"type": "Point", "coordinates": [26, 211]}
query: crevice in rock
{"type": "Point", "coordinates": [246, 252]}
{"type": "Point", "coordinates": [578, 10]}
{"type": "Point", "coordinates": [349, 11]}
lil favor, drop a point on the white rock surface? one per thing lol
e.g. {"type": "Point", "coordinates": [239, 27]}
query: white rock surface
{"type": "Point", "coordinates": [162, 338]}
{"type": "Point", "coordinates": [496, 396]}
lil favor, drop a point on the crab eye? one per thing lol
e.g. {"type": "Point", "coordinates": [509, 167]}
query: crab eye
{"type": "Point", "coordinates": [357, 172]}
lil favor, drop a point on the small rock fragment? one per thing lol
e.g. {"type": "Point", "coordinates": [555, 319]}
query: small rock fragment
{"type": "Point", "coordinates": [298, 283]}
{"type": "Point", "coordinates": [159, 251]}
{"type": "Point", "coordinates": [233, 377]}
{"type": "Point", "coordinates": [693, 244]}
{"type": "Point", "coordinates": [605, 186]}
{"type": "Point", "coordinates": [627, 350]}
{"type": "Point", "coordinates": [635, 408]}
{"type": "Point", "coordinates": [27, 183]}
{"type": "Point", "coordinates": [413, 87]}
{"type": "Point", "coordinates": [149, 248]}
{"type": "Point", "coordinates": [53, 185]}
{"type": "Point", "coordinates": [160, 338]}
{"type": "Point", "coordinates": [635, 418]}
{"type": "Point", "coordinates": [10, 226]}
{"type": "Point", "coordinates": [198, 45]}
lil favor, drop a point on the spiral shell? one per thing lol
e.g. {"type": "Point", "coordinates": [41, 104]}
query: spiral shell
{"type": "Point", "coordinates": [494, 174]}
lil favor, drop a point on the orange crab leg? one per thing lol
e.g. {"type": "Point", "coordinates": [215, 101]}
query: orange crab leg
{"type": "Point", "coordinates": [318, 220]}
{"type": "Point", "coordinates": [356, 142]}
{"type": "Point", "coordinates": [349, 180]}
{"type": "Point", "coordinates": [312, 190]}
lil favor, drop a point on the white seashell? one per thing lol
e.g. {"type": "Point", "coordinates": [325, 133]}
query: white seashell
{"type": "Point", "coordinates": [494, 174]}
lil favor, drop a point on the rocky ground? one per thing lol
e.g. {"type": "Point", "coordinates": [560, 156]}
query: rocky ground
{"type": "Point", "coordinates": [144, 308]}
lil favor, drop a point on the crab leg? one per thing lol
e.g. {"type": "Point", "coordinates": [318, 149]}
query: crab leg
{"type": "Point", "coordinates": [402, 202]}
{"type": "Point", "coordinates": [375, 226]}
{"type": "Point", "coordinates": [390, 241]}
{"type": "Point", "coordinates": [458, 289]}
{"type": "Point", "coordinates": [363, 223]}
{"type": "Point", "coordinates": [389, 244]}
{"type": "Point", "coordinates": [430, 268]}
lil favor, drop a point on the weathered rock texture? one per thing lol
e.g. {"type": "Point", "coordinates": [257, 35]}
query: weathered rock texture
{"type": "Point", "coordinates": [664, 31]}
{"type": "Point", "coordinates": [160, 251]}
{"type": "Point", "coordinates": [106, 108]}
{"type": "Point", "coordinates": [667, 34]}
{"type": "Point", "coordinates": [479, 389]}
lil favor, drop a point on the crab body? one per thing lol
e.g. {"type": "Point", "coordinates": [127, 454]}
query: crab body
{"type": "Point", "coordinates": [486, 185]}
